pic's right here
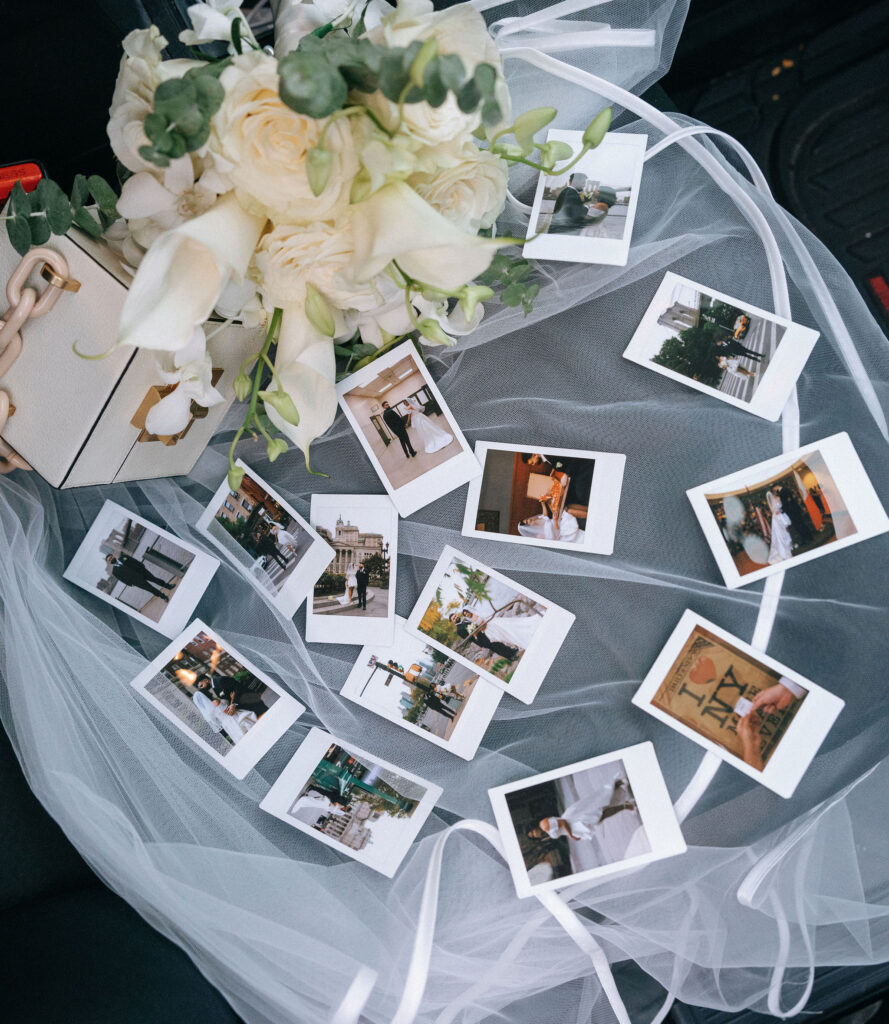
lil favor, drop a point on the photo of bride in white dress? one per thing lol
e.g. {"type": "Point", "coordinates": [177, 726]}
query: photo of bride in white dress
{"type": "Point", "coordinates": [781, 546]}
{"type": "Point", "coordinates": [430, 437]}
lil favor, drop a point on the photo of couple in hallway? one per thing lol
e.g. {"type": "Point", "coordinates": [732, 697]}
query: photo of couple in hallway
{"type": "Point", "coordinates": [406, 429]}
{"type": "Point", "coordinates": [788, 510]}
{"type": "Point", "coordinates": [217, 698]}
{"type": "Point", "coordinates": [424, 691]}
{"type": "Point", "coordinates": [726, 348]}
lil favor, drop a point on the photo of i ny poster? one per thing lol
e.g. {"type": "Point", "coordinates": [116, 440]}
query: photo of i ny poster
{"type": "Point", "coordinates": [703, 688]}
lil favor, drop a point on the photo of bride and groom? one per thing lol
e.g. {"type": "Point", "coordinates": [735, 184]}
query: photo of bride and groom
{"type": "Point", "coordinates": [209, 691]}
{"type": "Point", "coordinates": [481, 619]}
{"type": "Point", "coordinates": [402, 422]}
{"type": "Point", "coordinates": [576, 204]}
{"type": "Point", "coordinates": [580, 822]}
{"type": "Point", "coordinates": [791, 513]}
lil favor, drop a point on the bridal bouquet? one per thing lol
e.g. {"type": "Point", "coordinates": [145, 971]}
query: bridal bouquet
{"type": "Point", "coordinates": [344, 195]}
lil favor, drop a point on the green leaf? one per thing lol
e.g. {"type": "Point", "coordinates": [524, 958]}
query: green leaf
{"type": "Point", "coordinates": [275, 447]}
{"type": "Point", "coordinates": [195, 141]}
{"type": "Point", "coordinates": [154, 126]}
{"type": "Point", "coordinates": [485, 79]}
{"type": "Point", "coordinates": [104, 194]}
{"type": "Point", "coordinates": [86, 222]}
{"type": "Point", "coordinates": [451, 71]}
{"type": "Point", "coordinates": [55, 202]}
{"type": "Point", "coordinates": [18, 227]}
{"type": "Point", "coordinates": [528, 298]}
{"type": "Point", "coordinates": [393, 75]}
{"type": "Point", "coordinates": [79, 191]}
{"type": "Point", "coordinates": [310, 85]}
{"type": "Point", "coordinates": [235, 477]}
{"type": "Point", "coordinates": [434, 89]}
{"type": "Point", "coordinates": [527, 125]}
{"type": "Point", "coordinates": [318, 312]}
{"type": "Point", "coordinates": [40, 230]}
{"type": "Point", "coordinates": [175, 98]}
{"type": "Point", "coordinates": [468, 97]}
{"type": "Point", "coordinates": [491, 114]}
{"type": "Point", "coordinates": [283, 405]}
{"type": "Point", "coordinates": [597, 128]}
{"type": "Point", "coordinates": [241, 386]}
{"type": "Point", "coordinates": [150, 154]}
{"type": "Point", "coordinates": [318, 165]}
{"type": "Point", "coordinates": [236, 35]}
{"type": "Point", "coordinates": [209, 94]}
{"type": "Point", "coordinates": [513, 294]}
{"type": "Point", "coordinates": [425, 54]}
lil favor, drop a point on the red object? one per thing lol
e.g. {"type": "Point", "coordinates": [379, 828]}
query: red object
{"type": "Point", "coordinates": [703, 671]}
{"type": "Point", "coordinates": [880, 287]}
{"type": "Point", "coordinates": [29, 174]}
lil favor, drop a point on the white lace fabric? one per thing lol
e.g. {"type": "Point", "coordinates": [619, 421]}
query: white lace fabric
{"type": "Point", "coordinates": [283, 925]}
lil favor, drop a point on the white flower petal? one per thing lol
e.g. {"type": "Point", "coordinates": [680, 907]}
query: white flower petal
{"type": "Point", "coordinates": [170, 414]}
{"type": "Point", "coordinates": [143, 196]}
{"type": "Point", "coordinates": [179, 176]}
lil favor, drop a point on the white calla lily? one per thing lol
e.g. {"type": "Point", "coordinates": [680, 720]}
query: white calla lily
{"type": "Point", "coordinates": [396, 224]}
{"type": "Point", "coordinates": [306, 367]}
{"type": "Point", "coordinates": [190, 370]}
{"type": "Point", "coordinates": [183, 274]}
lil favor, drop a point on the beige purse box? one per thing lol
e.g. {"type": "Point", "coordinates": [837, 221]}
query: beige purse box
{"type": "Point", "coordinates": [79, 421]}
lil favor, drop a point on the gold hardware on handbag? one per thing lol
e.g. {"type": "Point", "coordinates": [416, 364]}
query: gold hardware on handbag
{"type": "Point", "coordinates": [154, 394]}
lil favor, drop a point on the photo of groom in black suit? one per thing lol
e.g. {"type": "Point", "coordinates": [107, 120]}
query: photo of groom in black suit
{"type": "Point", "coordinates": [398, 425]}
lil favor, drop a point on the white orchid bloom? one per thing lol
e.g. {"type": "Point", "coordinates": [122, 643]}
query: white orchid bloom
{"type": "Point", "coordinates": [212, 22]}
{"type": "Point", "coordinates": [183, 274]}
{"type": "Point", "coordinates": [177, 198]}
{"type": "Point", "coordinates": [298, 18]}
{"type": "Point", "coordinates": [306, 366]}
{"type": "Point", "coordinates": [190, 370]}
{"type": "Point", "coordinates": [396, 224]}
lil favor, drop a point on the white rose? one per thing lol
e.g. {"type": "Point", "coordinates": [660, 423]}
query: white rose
{"type": "Point", "coordinates": [464, 183]}
{"type": "Point", "coordinates": [321, 254]}
{"type": "Point", "coordinates": [138, 77]}
{"type": "Point", "coordinates": [459, 30]}
{"type": "Point", "coordinates": [266, 142]}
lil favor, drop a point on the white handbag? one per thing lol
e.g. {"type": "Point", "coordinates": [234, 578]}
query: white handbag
{"type": "Point", "coordinates": [81, 421]}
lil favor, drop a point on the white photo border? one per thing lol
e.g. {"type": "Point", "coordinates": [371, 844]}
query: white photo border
{"type": "Point", "coordinates": [298, 770]}
{"type": "Point", "coordinates": [474, 720]}
{"type": "Point", "coordinates": [312, 564]}
{"type": "Point", "coordinates": [604, 498]}
{"type": "Point", "coordinates": [849, 475]}
{"type": "Point", "coordinates": [606, 251]}
{"type": "Point", "coordinates": [800, 743]}
{"type": "Point", "coordinates": [653, 803]}
{"type": "Point", "coordinates": [260, 739]}
{"type": "Point", "coordinates": [436, 482]}
{"type": "Point", "coordinates": [330, 629]}
{"type": "Point", "coordinates": [536, 661]}
{"type": "Point", "coordinates": [188, 593]}
{"type": "Point", "coordinates": [777, 381]}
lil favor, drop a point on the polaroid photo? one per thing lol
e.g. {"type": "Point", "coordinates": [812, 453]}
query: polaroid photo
{"type": "Point", "coordinates": [353, 601]}
{"type": "Point", "coordinates": [222, 702]}
{"type": "Point", "coordinates": [407, 429]}
{"type": "Point", "coordinates": [586, 215]}
{"type": "Point", "coordinates": [496, 627]}
{"type": "Point", "coordinates": [548, 497]}
{"type": "Point", "coordinates": [145, 571]}
{"type": "Point", "coordinates": [352, 801]}
{"type": "Point", "coordinates": [422, 690]}
{"type": "Point", "coordinates": [594, 818]}
{"type": "Point", "coordinates": [270, 542]}
{"type": "Point", "coordinates": [788, 510]}
{"type": "Point", "coordinates": [756, 713]}
{"type": "Point", "coordinates": [722, 346]}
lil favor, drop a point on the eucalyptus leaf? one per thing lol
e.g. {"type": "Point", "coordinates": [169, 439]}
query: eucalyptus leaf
{"type": "Point", "coordinates": [79, 191]}
{"type": "Point", "coordinates": [209, 94]}
{"type": "Point", "coordinates": [57, 206]}
{"type": "Point", "coordinates": [434, 89]}
{"type": "Point", "coordinates": [86, 222]}
{"type": "Point", "coordinates": [195, 141]}
{"type": "Point", "coordinates": [451, 71]}
{"type": "Point", "coordinates": [491, 114]}
{"type": "Point", "coordinates": [468, 97]}
{"type": "Point", "coordinates": [485, 78]}
{"type": "Point", "coordinates": [310, 85]}
{"type": "Point", "coordinates": [104, 194]}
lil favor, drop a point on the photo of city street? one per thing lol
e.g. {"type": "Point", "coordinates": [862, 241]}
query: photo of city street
{"type": "Point", "coordinates": [718, 344]}
{"type": "Point", "coordinates": [355, 802]}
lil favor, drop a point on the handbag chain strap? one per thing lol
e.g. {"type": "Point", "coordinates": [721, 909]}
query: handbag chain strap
{"type": "Point", "coordinates": [25, 303]}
